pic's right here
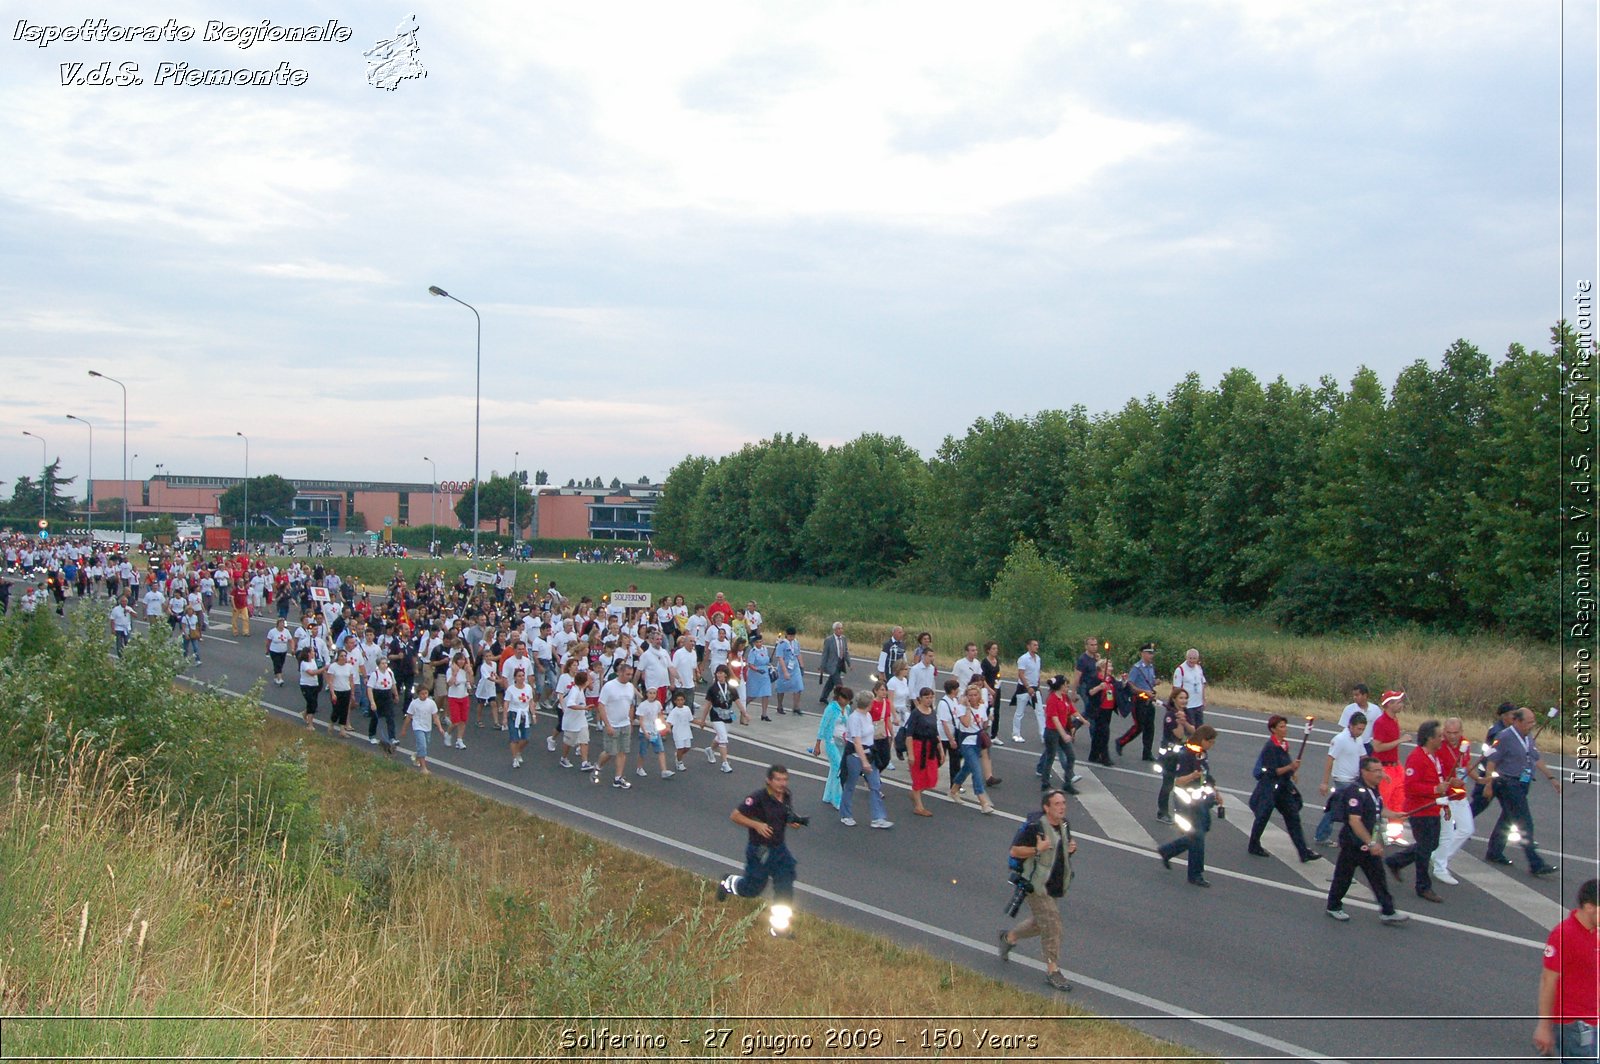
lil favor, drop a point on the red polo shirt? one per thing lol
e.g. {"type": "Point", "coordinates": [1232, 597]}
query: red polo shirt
{"type": "Point", "coordinates": [1422, 782]}
{"type": "Point", "coordinates": [1385, 729]}
{"type": "Point", "coordinates": [1573, 952]}
{"type": "Point", "coordinates": [720, 612]}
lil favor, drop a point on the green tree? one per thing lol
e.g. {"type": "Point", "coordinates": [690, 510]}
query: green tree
{"type": "Point", "coordinates": [722, 510]}
{"type": "Point", "coordinates": [676, 510]}
{"type": "Point", "coordinates": [25, 496]}
{"type": "Point", "coordinates": [859, 530]}
{"type": "Point", "coordinates": [495, 503]}
{"type": "Point", "coordinates": [270, 496]}
{"type": "Point", "coordinates": [1030, 599]}
{"type": "Point", "coordinates": [783, 489]}
{"type": "Point", "coordinates": [1513, 511]}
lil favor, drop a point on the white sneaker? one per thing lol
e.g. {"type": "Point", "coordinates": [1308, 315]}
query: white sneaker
{"type": "Point", "coordinates": [460, 745]}
{"type": "Point", "coordinates": [564, 763]}
{"type": "Point", "coordinates": [1016, 738]}
{"type": "Point", "coordinates": [889, 767]}
{"type": "Point", "coordinates": [1443, 875]}
{"type": "Point", "coordinates": [550, 744]}
{"type": "Point", "coordinates": [711, 754]}
{"type": "Point", "coordinates": [848, 821]}
{"type": "Point", "coordinates": [682, 767]}
{"type": "Point", "coordinates": [516, 762]}
{"type": "Point", "coordinates": [586, 767]}
{"type": "Point", "coordinates": [996, 741]}
{"type": "Point", "coordinates": [883, 825]}
{"type": "Point", "coordinates": [373, 739]}
{"type": "Point", "coordinates": [1076, 777]}
{"type": "Point", "coordinates": [278, 681]}
{"type": "Point", "coordinates": [640, 771]}
{"type": "Point", "coordinates": [727, 767]}
{"type": "Point", "coordinates": [667, 773]}
{"type": "Point", "coordinates": [620, 784]}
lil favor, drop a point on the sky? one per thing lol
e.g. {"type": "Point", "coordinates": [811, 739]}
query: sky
{"type": "Point", "coordinates": [689, 226]}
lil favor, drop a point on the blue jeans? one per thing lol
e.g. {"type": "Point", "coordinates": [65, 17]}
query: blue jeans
{"type": "Point", "coordinates": [761, 863]}
{"type": "Point", "coordinates": [971, 765]}
{"type": "Point", "coordinates": [1056, 749]}
{"type": "Point", "coordinates": [1576, 1041]}
{"type": "Point", "coordinates": [1325, 826]}
{"type": "Point", "coordinates": [1194, 842]}
{"type": "Point", "coordinates": [852, 773]}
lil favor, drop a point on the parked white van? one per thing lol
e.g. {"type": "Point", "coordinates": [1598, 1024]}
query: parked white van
{"type": "Point", "coordinates": [293, 537]}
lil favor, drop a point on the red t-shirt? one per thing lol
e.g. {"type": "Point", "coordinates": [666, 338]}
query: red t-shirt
{"type": "Point", "coordinates": [240, 595]}
{"type": "Point", "coordinates": [1573, 951]}
{"type": "Point", "coordinates": [1057, 710]}
{"type": "Point", "coordinates": [720, 612]}
{"type": "Point", "coordinates": [1386, 730]}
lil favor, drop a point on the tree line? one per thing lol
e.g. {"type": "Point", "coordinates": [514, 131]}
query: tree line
{"type": "Point", "coordinates": [1433, 501]}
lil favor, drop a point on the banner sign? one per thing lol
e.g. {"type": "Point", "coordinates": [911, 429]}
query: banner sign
{"type": "Point", "coordinates": [631, 600]}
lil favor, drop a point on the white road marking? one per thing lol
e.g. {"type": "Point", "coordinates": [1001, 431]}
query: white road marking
{"type": "Point", "coordinates": [1112, 816]}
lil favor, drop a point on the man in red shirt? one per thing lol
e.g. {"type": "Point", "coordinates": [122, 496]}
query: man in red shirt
{"type": "Point", "coordinates": [1425, 784]}
{"type": "Point", "coordinates": [720, 611]}
{"type": "Point", "coordinates": [1568, 989]}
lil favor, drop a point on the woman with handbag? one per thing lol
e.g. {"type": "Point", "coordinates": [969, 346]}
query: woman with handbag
{"type": "Point", "coordinates": [758, 675]}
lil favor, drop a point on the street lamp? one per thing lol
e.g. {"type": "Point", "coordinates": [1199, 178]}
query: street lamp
{"type": "Point", "coordinates": [516, 456]}
{"type": "Point", "coordinates": [477, 410]}
{"type": "Point", "coordinates": [86, 421]}
{"type": "Point", "coordinates": [246, 440]}
{"type": "Point", "coordinates": [433, 503]}
{"type": "Point", "coordinates": [44, 477]}
{"type": "Point", "coordinates": [124, 387]}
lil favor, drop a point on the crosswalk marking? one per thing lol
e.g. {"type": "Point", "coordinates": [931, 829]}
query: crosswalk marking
{"type": "Point", "coordinates": [1508, 889]}
{"type": "Point", "coordinates": [1109, 813]}
{"type": "Point", "coordinates": [1276, 841]}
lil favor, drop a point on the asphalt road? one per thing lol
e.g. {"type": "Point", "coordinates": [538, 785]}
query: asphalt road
{"type": "Point", "coordinates": [1248, 970]}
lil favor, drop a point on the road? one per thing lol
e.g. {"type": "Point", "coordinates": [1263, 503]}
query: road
{"type": "Point", "coordinates": [1250, 969]}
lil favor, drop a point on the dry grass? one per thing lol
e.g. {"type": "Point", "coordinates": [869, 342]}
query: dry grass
{"type": "Point", "coordinates": [111, 908]}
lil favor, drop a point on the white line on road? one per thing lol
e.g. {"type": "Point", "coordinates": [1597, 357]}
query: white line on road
{"type": "Point", "coordinates": [1112, 816]}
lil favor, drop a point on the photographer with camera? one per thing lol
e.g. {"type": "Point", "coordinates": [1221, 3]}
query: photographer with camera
{"type": "Point", "coordinates": [1041, 871]}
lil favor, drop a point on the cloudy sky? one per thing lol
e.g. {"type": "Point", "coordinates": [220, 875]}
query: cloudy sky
{"type": "Point", "coordinates": [691, 225]}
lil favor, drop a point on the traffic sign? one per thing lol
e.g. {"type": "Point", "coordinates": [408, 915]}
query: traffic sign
{"type": "Point", "coordinates": [387, 521]}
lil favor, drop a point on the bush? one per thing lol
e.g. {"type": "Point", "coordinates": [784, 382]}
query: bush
{"type": "Point", "coordinates": [1316, 598]}
{"type": "Point", "coordinates": [1029, 600]}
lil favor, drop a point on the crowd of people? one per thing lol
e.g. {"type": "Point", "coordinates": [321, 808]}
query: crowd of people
{"type": "Point", "coordinates": [658, 686]}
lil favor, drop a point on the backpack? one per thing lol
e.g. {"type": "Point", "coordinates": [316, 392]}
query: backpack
{"type": "Point", "coordinates": [1025, 836]}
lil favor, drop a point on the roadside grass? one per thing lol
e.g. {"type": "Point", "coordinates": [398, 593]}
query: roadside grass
{"type": "Point", "coordinates": [457, 914]}
{"type": "Point", "coordinates": [1252, 665]}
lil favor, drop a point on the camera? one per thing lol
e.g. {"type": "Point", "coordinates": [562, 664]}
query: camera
{"type": "Point", "coordinates": [1020, 889]}
{"type": "Point", "coordinates": [801, 821]}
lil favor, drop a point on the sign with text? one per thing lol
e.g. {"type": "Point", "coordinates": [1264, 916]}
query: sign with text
{"type": "Point", "coordinates": [508, 578]}
{"type": "Point", "coordinates": [631, 600]}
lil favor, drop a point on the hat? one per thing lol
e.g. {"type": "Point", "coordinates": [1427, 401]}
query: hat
{"type": "Point", "coordinates": [1147, 646]}
{"type": "Point", "coordinates": [1507, 707]}
{"type": "Point", "coordinates": [1391, 696]}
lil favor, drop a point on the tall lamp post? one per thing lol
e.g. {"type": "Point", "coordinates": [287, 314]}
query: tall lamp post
{"type": "Point", "coordinates": [516, 457]}
{"type": "Point", "coordinates": [477, 410]}
{"type": "Point", "coordinates": [246, 440]}
{"type": "Point", "coordinates": [124, 387]}
{"type": "Point", "coordinates": [86, 421]}
{"type": "Point", "coordinates": [44, 461]}
{"type": "Point", "coordinates": [433, 502]}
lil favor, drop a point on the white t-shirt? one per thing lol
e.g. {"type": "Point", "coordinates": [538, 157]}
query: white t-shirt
{"type": "Point", "coordinates": [422, 710]}
{"type": "Point", "coordinates": [122, 619]}
{"type": "Point", "coordinates": [921, 676]}
{"type": "Point", "coordinates": [486, 684]}
{"type": "Point", "coordinates": [648, 713]}
{"type": "Point", "coordinates": [966, 671]}
{"type": "Point", "coordinates": [458, 679]}
{"type": "Point", "coordinates": [697, 626]}
{"type": "Point", "coordinates": [508, 670]}
{"type": "Point", "coordinates": [341, 677]}
{"type": "Point", "coordinates": [858, 725]}
{"type": "Point", "coordinates": [1369, 711]}
{"type": "Point", "coordinates": [900, 694]}
{"type": "Point", "coordinates": [947, 714]}
{"type": "Point", "coordinates": [681, 718]}
{"type": "Point", "coordinates": [518, 703]}
{"type": "Point", "coordinates": [308, 674]}
{"type": "Point", "coordinates": [1028, 666]}
{"type": "Point", "coordinates": [153, 602]}
{"type": "Point", "coordinates": [574, 717]}
{"type": "Point", "coordinates": [683, 666]}
{"type": "Point", "coordinates": [1191, 678]}
{"type": "Point", "coordinates": [656, 663]}
{"type": "Point", "coordinates": [1347, 753]}
{"type": "Point", "coordinates": [616, 700]}
{"type": "Point", "coordinates": [278, 640]}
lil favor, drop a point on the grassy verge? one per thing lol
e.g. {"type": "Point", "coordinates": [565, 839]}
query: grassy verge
{"type": "Point", "coordinates": [1251, 664]}
{"type": "Point", "coordinates": [420, 901]}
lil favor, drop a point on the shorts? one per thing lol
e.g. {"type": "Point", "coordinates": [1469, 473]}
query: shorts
{"type": "Point", "coordinates": [720, 730]}
{"type": "Point", "coordinates": [421, 740]}
{"type": "Point", "coordinates": [616, 740]}
{"type": "Point", "coordinates": [650, 740]}
{"type": "Point", "coordinates": [458, 709]}
{"type": "Point", "coordinates": [518, 732]}
{"type": "Point", "coordinates": [576, 737]}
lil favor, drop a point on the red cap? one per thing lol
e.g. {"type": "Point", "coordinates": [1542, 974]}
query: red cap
{"type": "Point", "coordinates": [1391, 696]}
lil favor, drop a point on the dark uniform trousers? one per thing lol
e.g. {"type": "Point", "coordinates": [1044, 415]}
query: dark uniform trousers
{"type": "Point", "coordinates": [1351, 857]}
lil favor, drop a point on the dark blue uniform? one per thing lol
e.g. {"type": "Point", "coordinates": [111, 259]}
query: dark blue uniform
{"type": "Point", "coordinates": [767, 858]}
{"type": "Point", "coordinates": [1358, 800]}
{"type": "Point", "coordinates": [1194, 804]}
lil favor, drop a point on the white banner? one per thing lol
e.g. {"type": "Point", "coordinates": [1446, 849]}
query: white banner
{"type": "Point", "coordinates": [631, 600]}
{"type": "Point", "coordinates": [487, 576]}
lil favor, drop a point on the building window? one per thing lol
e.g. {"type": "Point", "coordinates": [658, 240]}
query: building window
{"type": "Point", "coordinates": [404, 515]}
